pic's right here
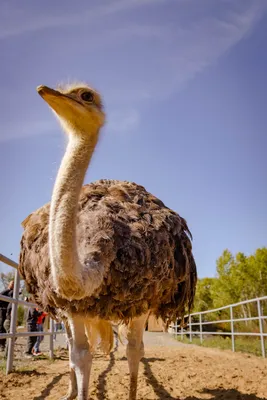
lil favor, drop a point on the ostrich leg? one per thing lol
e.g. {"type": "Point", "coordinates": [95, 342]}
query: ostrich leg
{"type": "Point", "coordinates": [135, 351]}
{"type": "Point", "coordinates": [80, 356]}
{"type": "Point", "coordinates": [73, 391]}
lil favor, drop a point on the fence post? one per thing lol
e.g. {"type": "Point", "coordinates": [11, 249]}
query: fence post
{"type": "Point", "coordinates": [232, 328]}
{"type": "Point", "coordinates": [200, 328]}
{"type": "Point", "coordinates": [261, 328]}
{"type": "Point", "coordinates": [13, 325]}
{"type": "Point", "coordinates": [182, 333]}
{"type": "Point", "coordinates": [176, 328]}
{"type": "Point", "coordinates": [190, 328]}
{"type": "Point", "coordinates": [51, 337]}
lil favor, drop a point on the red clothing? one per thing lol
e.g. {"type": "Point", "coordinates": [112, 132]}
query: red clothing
{"type": "Point", "coordinates": [41, 318]}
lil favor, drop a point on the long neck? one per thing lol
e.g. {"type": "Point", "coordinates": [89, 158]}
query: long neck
{"type": "Point", "coordinates": [66, 268]}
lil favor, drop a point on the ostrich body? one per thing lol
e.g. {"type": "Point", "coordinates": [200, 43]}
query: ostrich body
{"type": "Point", "coordinates": [107, 251]}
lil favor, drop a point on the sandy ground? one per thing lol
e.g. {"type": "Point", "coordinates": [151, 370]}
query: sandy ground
{"type": "Point", "coordinates": [169, 370]}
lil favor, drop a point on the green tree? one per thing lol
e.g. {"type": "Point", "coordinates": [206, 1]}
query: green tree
{"type": "Point", "coordinates": [203, 297]}
{"type": "Point", "coordinates": [21, 314]}
{"type": "Point", "coordinates": [224, 288]}
{"type": "Point", "coordinates": [238, 278]}
{"type": "Point", "coordinates": [6, 278]}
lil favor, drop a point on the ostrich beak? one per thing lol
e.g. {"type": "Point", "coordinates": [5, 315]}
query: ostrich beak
{"type": "Point", "coordinates": [43, 90]}
{"type": "Point", "coordinates": [56, 100]}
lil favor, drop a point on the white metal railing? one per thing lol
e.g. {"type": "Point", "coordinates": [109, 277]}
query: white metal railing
{"type": "Point", "coordinates": [13, 323]}
{"type": "Point", "coordinates": [174, 329]}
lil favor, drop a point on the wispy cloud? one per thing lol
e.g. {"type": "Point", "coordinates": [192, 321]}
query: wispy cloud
{"type": "Point", "coordinates": [199, 46]}
{"type": "Point", "coordinates": [19, 21]}
{"type": "Point", "coordinates": [138, 62]}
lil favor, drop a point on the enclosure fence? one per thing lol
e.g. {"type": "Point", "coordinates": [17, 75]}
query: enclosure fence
{"type": "Point", "coordinates": [177, 329]}
{"type": "Point", "coordinates": [13, 323]}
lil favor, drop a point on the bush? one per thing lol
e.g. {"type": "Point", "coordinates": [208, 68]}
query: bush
{"type": "Point", "coordinates": [20, 319]}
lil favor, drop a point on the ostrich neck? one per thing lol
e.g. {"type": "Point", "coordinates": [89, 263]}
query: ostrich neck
{"type": "Point", "coordinates": [63, 213]}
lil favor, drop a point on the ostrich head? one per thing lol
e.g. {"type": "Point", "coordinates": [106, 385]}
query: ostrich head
{"type": "Point", "coordinates": [78, 108]}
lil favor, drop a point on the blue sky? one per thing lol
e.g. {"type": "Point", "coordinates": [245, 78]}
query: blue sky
{"type": "Point", "coordinates": [185, 90]}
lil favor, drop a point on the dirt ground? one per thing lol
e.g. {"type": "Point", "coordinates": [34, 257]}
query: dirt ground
{"type": "Point", "coordinates": [169, 370]}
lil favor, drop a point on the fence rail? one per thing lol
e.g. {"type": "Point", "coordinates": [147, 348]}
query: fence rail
{"type": "Point", "coordinates": [13, 323]}
{"type": "Point", "coordinates": [176, 329]}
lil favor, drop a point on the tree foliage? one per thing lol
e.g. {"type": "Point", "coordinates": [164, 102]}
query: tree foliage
{"type": "Point", "coordinates": [238, 278]}
{"type": "Point", "coordinates": [6, 278]}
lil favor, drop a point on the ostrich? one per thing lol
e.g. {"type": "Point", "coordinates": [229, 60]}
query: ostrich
{"type": "Point", "coordinates": [104, 252]}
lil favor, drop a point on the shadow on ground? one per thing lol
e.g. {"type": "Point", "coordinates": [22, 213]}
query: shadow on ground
{"type": "Point", "coordinates": [160, 391]}
{"type": "Point", "coordinates": [102, 380]}
{"type": "Point", "coordinates": [223, 394]}
{"type": "Point", "coordinates": [45, 392]}
{"type": "Point", "coordinates": [218, 394]}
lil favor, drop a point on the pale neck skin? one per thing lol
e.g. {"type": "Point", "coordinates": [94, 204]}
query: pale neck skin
{"type": "Point", "coordinates": [71, 279]}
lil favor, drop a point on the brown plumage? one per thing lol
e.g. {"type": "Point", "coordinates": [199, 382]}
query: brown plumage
{"type": "Point", "coordinates": [144, 246]}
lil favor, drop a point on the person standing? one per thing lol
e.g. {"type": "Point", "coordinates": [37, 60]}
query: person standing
{"type": "Point", "coordinates": [3, 311]}
{"type": "Point", "coordinates": [32, 316]}
{"type": "Point", "coordinates": [7, 323]}
{"type": "Point", "coordinates": [40, 328]}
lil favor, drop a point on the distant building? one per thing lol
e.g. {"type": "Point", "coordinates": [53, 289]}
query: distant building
{"type": "Point", "coordinates": [154, 324]}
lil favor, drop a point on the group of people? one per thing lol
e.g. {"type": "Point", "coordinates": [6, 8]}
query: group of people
{"type": "Point", "coordinates": [35, 321]}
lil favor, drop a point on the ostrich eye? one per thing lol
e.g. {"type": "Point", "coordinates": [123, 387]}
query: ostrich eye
{"type": "Point", "coordinates": [87, 96]}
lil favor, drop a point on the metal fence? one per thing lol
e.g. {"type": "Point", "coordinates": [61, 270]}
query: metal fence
{"type": "Point", "coordinates": [176, 329]}
{"type": "Point", "coordinates": [13, 323]}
